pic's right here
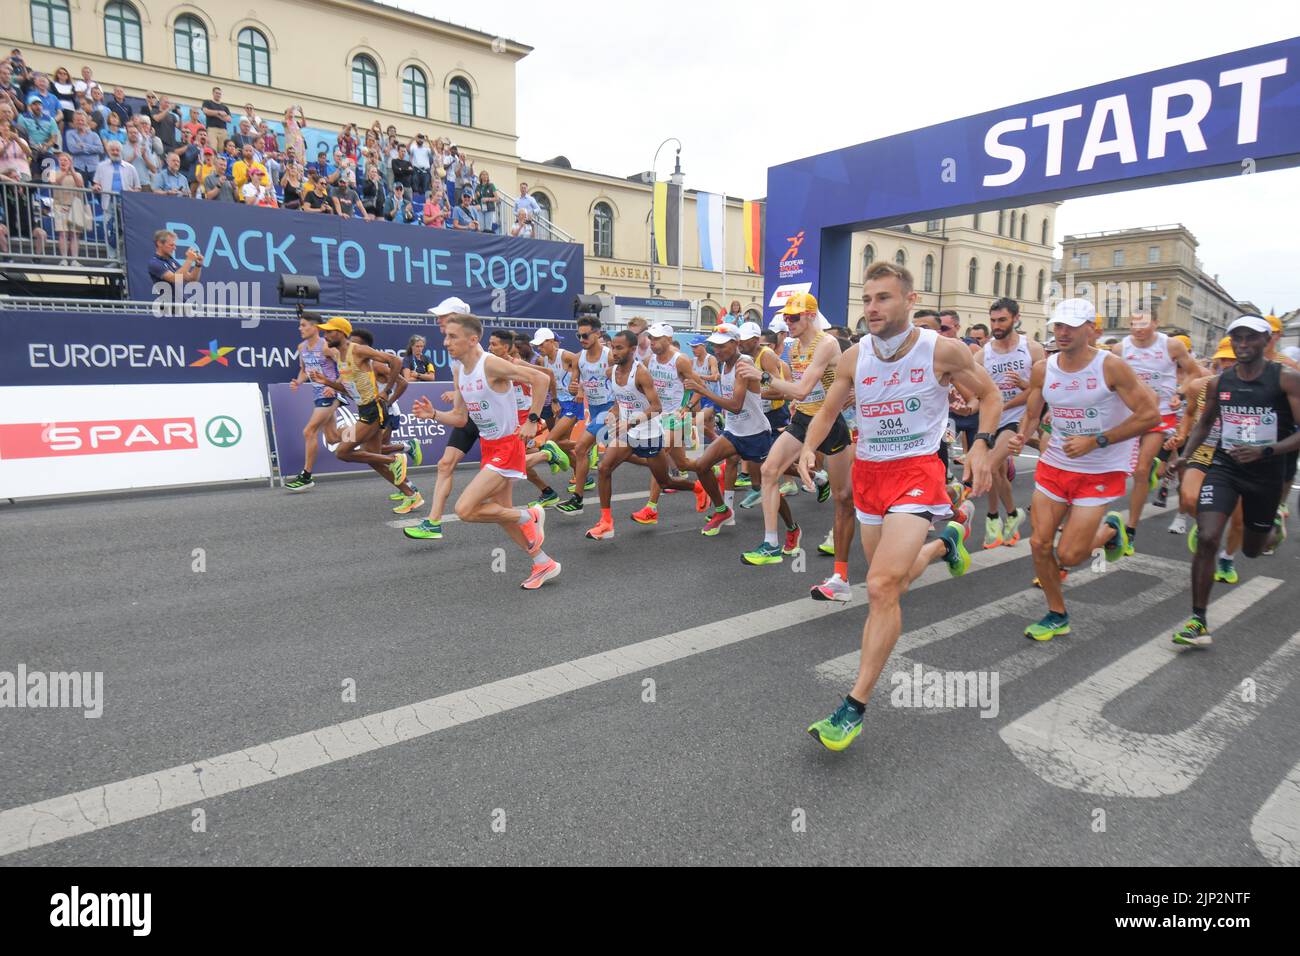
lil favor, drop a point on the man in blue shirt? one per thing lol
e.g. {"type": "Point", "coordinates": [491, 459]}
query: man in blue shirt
{"type": "Point", "coordinates": [42, 134]}
{"type": "Point", "coordinates": [169, 180]}
{"type": "Point", "coordinates": [41, 92]}
{"type": "Point", "coordinates": [462, 217]}
{"type": "Point", "coordinates": [164, 267]}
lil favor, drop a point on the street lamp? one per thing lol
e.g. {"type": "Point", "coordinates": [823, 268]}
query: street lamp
{"type": "Point", "coordinates": [676, 179]}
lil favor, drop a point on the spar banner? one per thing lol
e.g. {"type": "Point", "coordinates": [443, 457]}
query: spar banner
{"type": "Point", "coordinates": [362, 266]}
{"type": "Point", "coordinates": [292, 408]}
{"type": "Point", "coordinates": [55, 348]}
{"type": "Point", "coordinates": [84, 438]}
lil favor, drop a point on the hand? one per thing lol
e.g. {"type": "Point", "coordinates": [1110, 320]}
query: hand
{"type": "Point", "coordinates": [528, 431]}
{"type": "Point", "coordinates": [447, 397]}
{"type": "Point", "coordinates": [1246, 454]}
{"type": "Point", "coordinates": [807, 460]}
{"type": "Point", "coordinates": [191, 253]}
{"type": "Point", "coordinates": [1173, 441]}
{"type": "Point", "coordinates": [422, 408]}
{"type": "Point", "coordinates": [317, 377]}
{"type": "Point", "coordinates": [1018, 380]}
{"type": "Point", "coordinates": [575, 388]}
{"type": "Point", "coordinates": [1017, 443]}
{"type": "Point", "coordinates": [1076, 446]}
{"type": "Point", "coordinates": [293, 386]}
{"type": "Point", "coordinates": [1175, 464]}
{"type": "Point", "coordinates": [981, 471]}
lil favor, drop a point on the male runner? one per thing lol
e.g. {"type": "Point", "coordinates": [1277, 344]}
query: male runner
{"type": "Point", "coordinates": [563, 365]}
{"type": "Point", "coordinates": [1257, 404]}
{"type": "Point", "coordinates": [311, 358]}
{"type": "Point", "coordinates": [705, 368]}
{"type": "Point", "coordinates": [1157, 359]}
{"type": "Point", "coordinates": [1008, 357]}
{"type": "Point", "coordinates": [504, 344]}
{"type": "Point", "coordinates": [484, 392]}
{"type": "Point", "coordinates": [383, 442]}
{"type": "Point", "coordinates": [669, 370]}
{"type": "Point", "coordinates": [1099, 406]}
{"type": "Point", "coordinates": [635, 430]}
{"type": "Point", "coordinates": [593, 363]}
{"type": "Point", "coordinates": [759, 347]}
{"type": "Point", "coordinates": [899, 378]}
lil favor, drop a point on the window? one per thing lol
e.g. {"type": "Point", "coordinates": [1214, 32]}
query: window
{"type": "Point", "coordinates": [1044, 239]}
{"type": "Point", "coordinates": [932, 225]}
{"type": "Point", "coordinates": [1042, 277]}
{"type": "Point", "coordinates": [122, 32]}
{"type": "Point", "coordinates": [753, 315]}
{"type": "Point", "coordinates": [1153, 254]}
{"type": "Point", "coordinates": [602, 231]}
{"type": "Point", "coordinates": [1085, 260]}
{"type": "Point", "coordinates": [1117, 257]}
{"type": "Point", "coordinates": [1001, 221]}
{"type": "Point", "coordinates": [254, 58]}
{"type": "Point", "coordinates": [997, 278]}
{"type": "Point", "coordinates": [544, 201]}
{"type": "Point", "coordinates": [51, 23]}
{"type": "Point", "coordinates": [365, 81]}
{"type": "Point", "coordinates": [900, 257]}
{"type": "Point", "coordinates": [191, 38]}
{"type": "Point", "coordinates": [972, 273]}
{"type": "Point", "coordinates": [1012, 233]}
{"type": "Point", "coordinates": [461, 107]}
{"type": "Point", "coordinates": [928, 283]}
{"type": "Point", "coordinates": [708, 315]}
{"type": "Point", "coordinates": [415, 92]}
{"type": "Point", "coordinates": [868, 257]}
{"type": "Point", "coordinates": [1020, 278]}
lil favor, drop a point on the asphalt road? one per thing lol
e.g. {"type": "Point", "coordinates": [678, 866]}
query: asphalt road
{"type": "Point", "coordinates": [536, 738]}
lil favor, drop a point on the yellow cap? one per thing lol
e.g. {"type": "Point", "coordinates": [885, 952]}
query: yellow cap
{"type": "Point", "coordinates": [1225, 350]}
{"type": "Point", "coordinates": [1186, 340]}
{"type": "Point", "coordinates": [1274, 321]}
{"type": "Point", "coordinates": [336, 324]}
{"type": "Point", "coordinates": [799, 303]}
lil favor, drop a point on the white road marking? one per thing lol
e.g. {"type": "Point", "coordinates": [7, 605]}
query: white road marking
{"type": "Point", "coordinates": [1067, 742]}
{"type": "Point", "coordinates": [1093, 620]}
{"type": "Point", "coordinates": [1276, 827]}
{"type": "Point", "coordinates": [97, 808]}
{"type": "Point", "coordinates": [625, 496]}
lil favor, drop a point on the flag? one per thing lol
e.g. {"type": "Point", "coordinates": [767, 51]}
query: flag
{"type": "Point", "coordinates": [666, 226]}
{"type": "Point", "coordinates": [709, 210]}
{"type": "Point", "coordinates": [755, 223]}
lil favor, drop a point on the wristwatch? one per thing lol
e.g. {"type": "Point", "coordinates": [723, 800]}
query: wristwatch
{"type": "Point", "coordinates": [765, 378]}
{"type": "Point", "coordinates": [985, 437]}
{"type": "Point", "coordinates": [1102, 440]}
{"type": "Point", "coordinates": [534, 417]}
{"type": "Point", "coordinates": [1267, 451]}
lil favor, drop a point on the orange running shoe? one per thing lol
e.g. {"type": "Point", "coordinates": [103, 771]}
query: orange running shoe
{"type": "Point", "coordinates": [541, 574]}
{"type": "Point", "coordinates": [646, 515]}
{"type": "Point", "coordinates": [603, 529]}
{"type": "Point", "coordinates": [701, 498]}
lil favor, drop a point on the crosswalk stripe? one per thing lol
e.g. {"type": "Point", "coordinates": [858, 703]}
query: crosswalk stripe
{"type": "Point", "coordinates": [1276, 827]}
{"type": "Point", "coordinates": [1067, 742]}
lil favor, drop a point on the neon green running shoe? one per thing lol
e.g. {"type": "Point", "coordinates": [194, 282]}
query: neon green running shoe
{"type": "Point", "coordinates": [1053, 625]}
{"type": "Point", "coordinates": [1117, 547]}
{"type": "Point", "coordinates": [764, 554]}
{"type": "Point", "coordinates": [547, 499]}
{"type": "Point", "coordinates": [425, 530]}
{"type": "Point", "coordinates": [957, 557]}
{"type": "Point", "coordinates": [837, 731]}
{"type": "Point", "coordinates": [416, 451]}
{"type": "Point", "coordinates": [1193, 634]}
{"type": "Point", "coordinates": [744, 481]}
{"type": "Point", "coordinates": [593, 458]}
{"type": "Point", "coordinates": [396, 496]}
{"type": "Point", "coordinates": [1154, 480]}
{"type": "Point", "coordinates": [556, 456]}
{"type": "Point", "coordinates": [1226, 571]}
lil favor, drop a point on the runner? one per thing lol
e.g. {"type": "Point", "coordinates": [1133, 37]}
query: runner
{"type": "Point", "coordinates": [505, 345]}
{"type": "Point", "coordinates": [899, 378]}
{"type": "Point", "coordinates": [669, 369]}
{"type": "Point", "coordinates": [760, 348]}
{"type": "Point", "coordinates": [384, 443]}
{"type": "Point", "coordinates": [563, 366]}
{"type": "Point", "coordinates": [1099, 407]}
{"type": "Point", "coordinates": [1009, 358]}
{"type": "Point", "coordinates": [1157, 359]}
{"type": "Point", "coordinates": [635, 431]}
{"type": "Point", "coordinates": [311, 358]}
{"type": "Point", "coordinates": [705, 368]}
{"type": "Point", "coordinates": [484, 386]}
{"type": "Point", "coordinates": [593, 364]}
{"type": "Point", "coordinates": [1257, 404]}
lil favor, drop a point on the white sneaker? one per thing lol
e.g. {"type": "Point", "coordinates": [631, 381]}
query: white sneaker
{"type": "Point", "coordinates": [1179, 524]}
{"type": "Point", "coordinates": [833, 588]}
{"type": "Point", "coordinates": [63, 262]}
{"type": "Point", "coordinates": [76, 264]}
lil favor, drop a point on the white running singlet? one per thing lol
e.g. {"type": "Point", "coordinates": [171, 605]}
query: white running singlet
{"type": "Point", "coordinates": [1082, 405]}
{"type": "Point", "coordinates": [1154, 366]}
{"type": "Point", "coordinates": [750, 420]}
{"type": "Point", "coordinates": [667, 382]}
{"type": "Point", "coordinates": [595, 383]}
{"type": "Point", "coordinates": [633, 407]}
{"type": "Point", "coordinates": [1001, 366]}
{"type": "Point", "coordinates": [901, 406]}
{"type": "Point", "coordinates": [492, 411]}
{"type": "Point", "coordinates": [563, 377]}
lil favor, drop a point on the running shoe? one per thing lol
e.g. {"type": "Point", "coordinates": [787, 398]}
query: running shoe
{"type": "Point", "coordinates": [789, 487]}
{"type": "Point", "coordinates": [603, 529]}
{"type": "Point", "coordinates": [398, 495]}
{"type": "Point", "coordinates": [1193, 634]}
{"type": "Point", "coordinates": [992, 533]}
{"type": "Point", "coordinates": [1153, 480]}
{"type": "Point", "coordinates": [1226, 571]}
{"type": "Point", "coordinates": [764, 554]}
{"type": "Point", "coordinates": [956, 555]}
{"type": "Point", "coordinates": [744, 481]}
{"type": "Point", "coordinates": [1279, 522]}
{"type": "Point", "coordinates": [1162, 495]}
{"type": "Point", "coordinates": [299, 482]}
{"type": "Point", "coordinates": [547, 499]}
{"type": "Point", "coordinates": [541, 574]}
{"type": "Point", "coordinates": [792, 538]}
{"type": "Point", "coordinates": [425, 530]}
{"type": "Point", "coordinates": [716, 521]}
{"type": "Point", "coordinates": [1179, 524]}
{"type": "Point", "coordinates": [1011, 529]}
{"type": "Point", "coordinates": [751, 499]}
{"type": "Point", "coordinates": [1194, 537]}
{"type": "Point", "coordinates": [416, 451]}
{"type": "Point", "coordinates": [838, 730]}
{"type": "Point", "coordinates": [571, 507]}
{"type": "Point", "coordinates": [593, 458]}
{"type": "Point", "coordinates": [1118, 546]}
{"type": "Point", "coordinates": [646, 515]}
{"type": "Point", "coordinates": [587, 485]}
{"type": "Point", "coordinates": [701, 498]}
{"type": "Point", "coordinates": [833, 588]}
{"type": "Point", "coordinates": [1064, 574]}
{"type": "Point", "coordinates": [535, 530]}
{"type": "Point", "coordinates": [398, 469]}
{"type": "Point", "coordinates": [1053, 625]}
{"type": "Point", "coordinates": [827, 547]}
{"type": "Point", "coordinates": [823, 489]}
{"type": "Point", "coordinates": [559, 461]}
{"type": "Point", "coordinates": [957, 493]}
{"type": "Point", "coordinates": [407, 505]}
{"type": "Point", "coordinates": [964, 516]}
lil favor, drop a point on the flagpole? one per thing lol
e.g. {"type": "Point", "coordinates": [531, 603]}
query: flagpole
{"type": "Point", "coordinates": [678, 179]}
{"type": "Point", "coordinates": [724, 246]}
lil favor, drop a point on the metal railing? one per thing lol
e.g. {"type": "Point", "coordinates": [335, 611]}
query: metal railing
{"type": "Point", "coordinates": [69, 229]}
{"type": "Point", "coordinates": [543, 228]}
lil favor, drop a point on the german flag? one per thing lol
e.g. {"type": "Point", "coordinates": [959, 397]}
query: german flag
{"type": "Point", "coordinates": [755, 223]}
{"type": "Point", "coordinates": [667, 225]}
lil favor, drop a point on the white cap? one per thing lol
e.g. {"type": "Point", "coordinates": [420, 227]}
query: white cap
{"type": "Point", "coordinates": [748, 330]}
{"type": "Point", "coordinates": [1292, 353]}
{"type": "Point", "coordinates": [726, 332]}
{"type": "Point", "coordinates": [823, 323]}
{"type": "Point", "coordinates": [778, 324]}
{"type": "Point", "coordinates": [1075, 312]}
{"type": "Point", "coordinates": [452, 306]}
{"type": "Point", "coordinates": [1252, 322]}
{"type": "Point", "coordinates": [542, 335]}
{"type": "Point", "coordinates": [659, 330]}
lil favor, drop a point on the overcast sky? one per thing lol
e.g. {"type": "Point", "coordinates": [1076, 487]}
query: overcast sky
{"type": "Point", "coordinates": [747, 85]}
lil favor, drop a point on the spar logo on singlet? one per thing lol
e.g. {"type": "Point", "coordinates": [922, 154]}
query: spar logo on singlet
{"type": "Point", "coordinates": [887, 409]}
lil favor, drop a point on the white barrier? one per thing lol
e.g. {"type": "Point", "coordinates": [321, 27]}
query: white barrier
{"type": "Point", "coordinates": [67, 439]}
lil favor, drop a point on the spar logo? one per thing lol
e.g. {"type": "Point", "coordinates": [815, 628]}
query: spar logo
{"type": "Point", "coordinates": [887, 409]}
{"type": "Point", "coordinates": [213, 353]}
{"type": "Point", "coordinates": [63, 439]}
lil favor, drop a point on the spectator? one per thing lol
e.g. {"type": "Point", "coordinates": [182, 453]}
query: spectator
{"type": "Point", "coordinates": [169, 180]}
{"type": "Point", "coordinates": [84, 145]}
{"type": "Point", "coordinates": [70, 212]}
{"type": "Point", "coordinates": [49, 102]}
{"type": "Point", "coordinates": [258, 191]}
{"type": "Point", "coordinates": [22, 75]}
{"type": "Point", "coordinates": [466, 180]}
{"type": "Point", "coordinates": [166, 121]}
{"type": "Point", "coordinates": [100, 106]}
{"type": "Point", "coordinates": [374, 195]}
{"type": "Point", "coordinates": [399, 207]}
{"type": "Point", "coordinates": [402, 170]}
{"type": "Point", "coordinates": [87, 84]}
{"type": "Point", "coordinates": [322, 165]}
{"type": "Point", "coordinates": [94, 118]}
{"type": "Point", "coordinates": [138, 151]}
{"type": "Point", "coordinates": [250, 114]}
{"type": "Point", "coordinates": [246, 135]}
{"type": "Point", "coordinates": [41, 133]}
{"type": "Point", "coordinates": [242, 171]}
{"type": "Point", "coordinates": [164, 267]}
{"type": "Point", "coordinates": [113, 175]}
{"type": "Point", "coordinates": [66, 93]}
{"type": "Point", "coordinates": [117, 104]}
{"type": "Point", "coordinates": [207, 163]}
{"type": "Point", "coordinates": [9, 92]}
{"type": "Point", "coordinates": [217, 119]}
{"type": "Point", "coordinates": [416, 364]}
{"type": "Point", "coordinates": [194, 123]}
{"type": "Point", "coordinates": [16, 208]}
{"type": "Point", "coordinates": [485, 195]}
{"type": "Point", "coordinates": [15, 153]}
{"type": "Point", "coordinates": [421, 156]}
{"type": "Point", "coordinates": [294, 122]}
{"type": "Point", "coordinates": [216, 184]}
{"type": "Point", "coordinates": [523, 227]}
{"type": "Point", "coordinates": [314, 197]}
{"type": "Point", "coordinates": [114, 131]}
{"type": "Point", "coordinates": [191, 155]}
{"type": "Point", "coordinates": [527, 203]}
{"type": "Point", "coordinates": [292, 186]}
{"type": "Point", "coordinates": [462, 217]}
{"type": "Point", "coordinates": [433, 214]}
{"type": "Point", "coordinates": [344, 197]}
{"type": "Point", "coordinates": [348, 141]}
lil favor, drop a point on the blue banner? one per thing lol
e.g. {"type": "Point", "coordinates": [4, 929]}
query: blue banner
{"type": "Point", "coordinates": [362, 266]}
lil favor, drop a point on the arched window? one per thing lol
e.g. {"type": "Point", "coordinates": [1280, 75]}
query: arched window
{"type": "Point", "coordinates": [1012, 233]}
{"type": "Point", "coordinates": [900, 258]}
{"type": "Point", "coordinates": [928, 284]}
{"type": "Point", "coordinates": [1024, 226]}
{"type": "Point", "coordinates": [191, 38]}
{"type": "Point", "coordinates": [543, 203]}
{"type": "Point", "coordinates": [254, 57]}
{"type": "Point", "coordinates": [708, 315]}
{"type": "Point", "coordinates": [1001, 221]}
{"type": "Point", "coordinates": [602, 231]}
{"type": "Point", "coordinates": [365, 81]}
{"type": "Point", "coordinates": [1041, 278]}
{"type": "Point", "coordinates": [997, 278]}
{"type": "Point", "coordinates": [755, 316]}
{"type": "Point", "coordinates": [868, 257]}
{"type": "Point", "coordinates": [1020, 280]}
{"type": "Point", "coordinates": [415, 92]}
{"type": "Point", "coordinates": [460, 108]}
{"type": "Point", "coordinates": [122, 32]}
{"type": "Point", "coordinates": [972, 274]}
{"type": "Point", "coordinates": [51, 23]}
{"type": "Point", "coordinates": [1044, 240]}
